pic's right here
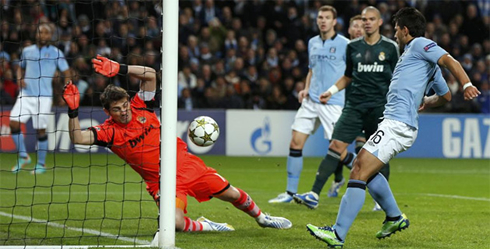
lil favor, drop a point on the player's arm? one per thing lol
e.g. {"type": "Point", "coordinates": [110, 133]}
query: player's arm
{"type": "Point", "coordinates": [304, 93]}
{"type": "Point", "coordinates": [20, 77]}
{"type": "Point", "coordinates": [72, 98]}
{"type": "Point", "coordinates": [442, 94]}
{"type": "Point", "coordinates": [341, 84]}
{"type": "Point", "coordinates": [435, 101]}
{"type": "Point", "coordinates": [147, 75]}
{"type": "Point", "coordinates": [67, 75]}
{"type": "Point", "coordinates": [447, 61]}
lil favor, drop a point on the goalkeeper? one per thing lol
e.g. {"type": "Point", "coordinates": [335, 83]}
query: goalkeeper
{"type": "Point", "coordinates": [132, 132]}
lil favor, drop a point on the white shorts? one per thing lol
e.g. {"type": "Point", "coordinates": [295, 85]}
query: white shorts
{"type": "Point", "coordinates": [391, 138]}
{"type": "Point", "coordinates": [311, 114]}
{"type": "Point", "coordinates": [39, 108]}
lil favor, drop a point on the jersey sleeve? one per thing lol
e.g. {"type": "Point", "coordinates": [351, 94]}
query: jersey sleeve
{"type": "Point", "coordinates": [348, 61]}
{"type": "Point", "coordinates": [62, 63]}
{"type": "Point", "coordinates": [137, 102]}
{"type": "Point", "coordinates": [309, 47]}
{"type": "Point", "coordinates": [396, 55]}
{"type": "Point", "coordinates": [429, 50]}
{"type": "Point", "coordinates": [23, 59]}
{"type": "Point", "coordinates": [437, 84]}
{"type": "Point", "coordinates": [103, 135]}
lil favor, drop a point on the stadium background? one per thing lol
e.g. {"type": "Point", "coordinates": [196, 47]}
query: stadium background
{"type": "Point", "coordinates": [82, 195]}
{"type": "Point", "coordinates": [247, 55]}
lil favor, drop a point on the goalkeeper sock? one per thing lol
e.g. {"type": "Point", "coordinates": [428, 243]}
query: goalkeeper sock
{"type": "Point", "coordinates": [18, 138]}
{"type": "Point", "coordinates": [246, 204]}
{"type": "Point", "coordinates": [294, 167]}
{"type": "Point", "coordinates": [195, 226]}
{"type": "Point", "coordinates": [42, 150]}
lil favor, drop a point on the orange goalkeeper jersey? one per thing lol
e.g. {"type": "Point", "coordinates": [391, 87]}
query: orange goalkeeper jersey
{"type": "Point", "coordinates": [138, 144]}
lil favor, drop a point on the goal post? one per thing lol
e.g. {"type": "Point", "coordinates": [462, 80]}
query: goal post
{"type": "Point", "coordinates": [168, 162]}
{"type": "Point", "coordinates": [87, 197]}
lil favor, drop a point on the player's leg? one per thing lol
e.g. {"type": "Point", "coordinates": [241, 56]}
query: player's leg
{"type": "Point", "coordinates": [329, 165]}
{"type": "Point", "coordinates": [360, 141]}
{"type": "Point", "coordinates": [352, 201]}
{"type": "Point", "coordinates": [40, 123]}
{"type": "Point", "coordinates": [341, 136]}
{"type": "Point", "coordinates": [42, 151]}
{"type": "Point", "coordinates": [305, 123]}
{"type": "Point", "coordinates": [241, 200]}
{"type": "Point", "coordinates": [391, 138]}
{"type": "Point", "coordinates": [371, 126]}
{"type": "Point", "coordinates": [19, 115]}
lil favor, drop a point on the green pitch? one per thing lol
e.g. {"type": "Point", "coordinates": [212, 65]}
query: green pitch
{"type": "Point", "coordinates": [447, 202]}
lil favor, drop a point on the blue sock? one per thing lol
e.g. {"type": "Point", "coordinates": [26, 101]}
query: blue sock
{"type": "Point", "coordinates": [380, 191]}
{"type": "Point", "coordinates": [42, 150]}
{"type": "Point", "coordinates": [349, 159]}
{"type": "Point", "coordinates": [295, 166]}
{"type": "Point", "coordinates": [19, 144]}
{"type": "Point", "coordinates": [350, 206]}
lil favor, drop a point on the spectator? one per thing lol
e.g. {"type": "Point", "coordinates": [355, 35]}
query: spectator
{"type": "Point", "coordinates": [484, 98]}
{"type": "Point", "coordinates": [186, 101]}
{"type": "Point", "coordinates": [186, 78]}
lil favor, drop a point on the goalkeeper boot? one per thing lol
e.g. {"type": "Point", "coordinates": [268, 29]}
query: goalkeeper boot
{"type": "Point", "coordinates": [282, 198]}
{"type": "Point", "coordinates": [39, 169]}
{"type": "Point", "coordinates": [215, 226]}
{"type": "Point", "coordinates": [309, 199]}
{"type": "Point", "coordinates": [20, 164]}
{"type": "Point", "coordinates": [325, 234]}
{"type": "Point", "coordinates": [273, 222]}
{"type": "Point", "coordinates": [334, 189]}
{"type": "Point", "coordinates": [391, 227]}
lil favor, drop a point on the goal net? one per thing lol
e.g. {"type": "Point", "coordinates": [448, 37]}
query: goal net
{"type": "Point", "coordinates": [85, 195]}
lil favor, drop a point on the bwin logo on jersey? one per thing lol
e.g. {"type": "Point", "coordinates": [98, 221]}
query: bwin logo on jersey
{"type": "Point", "coordinates": [260, 139]}
{"type": "Point", "coordinates": [370, 67]}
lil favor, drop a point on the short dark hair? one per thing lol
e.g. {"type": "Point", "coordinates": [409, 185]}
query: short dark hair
{"type": "Point", "coordinates": [112, 94]}
{"type": "Point", "coordinates": [329, 8]}
{"type": "Point", "coordinates": [411, 18]}
{"type": "Point", "coordinates": [356, 17]}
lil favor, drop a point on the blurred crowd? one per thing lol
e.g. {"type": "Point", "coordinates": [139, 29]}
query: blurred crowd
{"type": "Point", "coordinates": [249, 54]}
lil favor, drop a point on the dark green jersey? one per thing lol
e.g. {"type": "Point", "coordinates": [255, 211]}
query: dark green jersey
{"type": "Point", "coordinates": [371, 68]}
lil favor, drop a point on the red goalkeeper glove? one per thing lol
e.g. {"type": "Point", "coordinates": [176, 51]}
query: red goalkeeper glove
{"type": "Point", "coordinates": [71, 96]}
{"type": "Point", "coordinates": [105, 66]}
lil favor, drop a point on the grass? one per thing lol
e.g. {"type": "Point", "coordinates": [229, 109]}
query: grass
{"type": "Point", "coordinates": [447, 202]}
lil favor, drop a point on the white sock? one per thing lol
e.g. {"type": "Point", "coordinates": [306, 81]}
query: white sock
{"type": "Point", "coordinates": [261, 218]}
{"type": "Point", "coordinates": [206, 226]}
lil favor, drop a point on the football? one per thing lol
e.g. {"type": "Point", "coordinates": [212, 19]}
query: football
{"type": "Point", "coordinates": [203, 131]}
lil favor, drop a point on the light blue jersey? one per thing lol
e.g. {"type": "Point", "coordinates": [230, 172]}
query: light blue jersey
{"type": "Point", "coordinates": [40, 65]}
{"type": "Point", "coordinates": [327, 62]}
{"type": "Point", "coordinates": [415, 73]}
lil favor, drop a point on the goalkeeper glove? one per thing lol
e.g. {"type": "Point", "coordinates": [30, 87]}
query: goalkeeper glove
{"type": "Point", "coordinates": [71, 96]}
{"type": "Point", "coordinates": [108, 68]}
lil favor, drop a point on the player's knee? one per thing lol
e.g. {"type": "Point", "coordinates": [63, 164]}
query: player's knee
{"type": "Point", "coordinates": [336, 147]}
{"type": "Point", "coordinates": [357, 167]}
{"type": "Point", "coordinates": [297, 141]}
{"type": "Point", "coordinates": [179, 223]}
{"type": "Point", "coordinates": [14, 131]}
{"type": "Point", "coordinates": [14, 128]}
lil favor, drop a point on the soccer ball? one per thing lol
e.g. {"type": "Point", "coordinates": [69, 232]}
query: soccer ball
{"type": "Point", "coordinates": [203, 131]}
